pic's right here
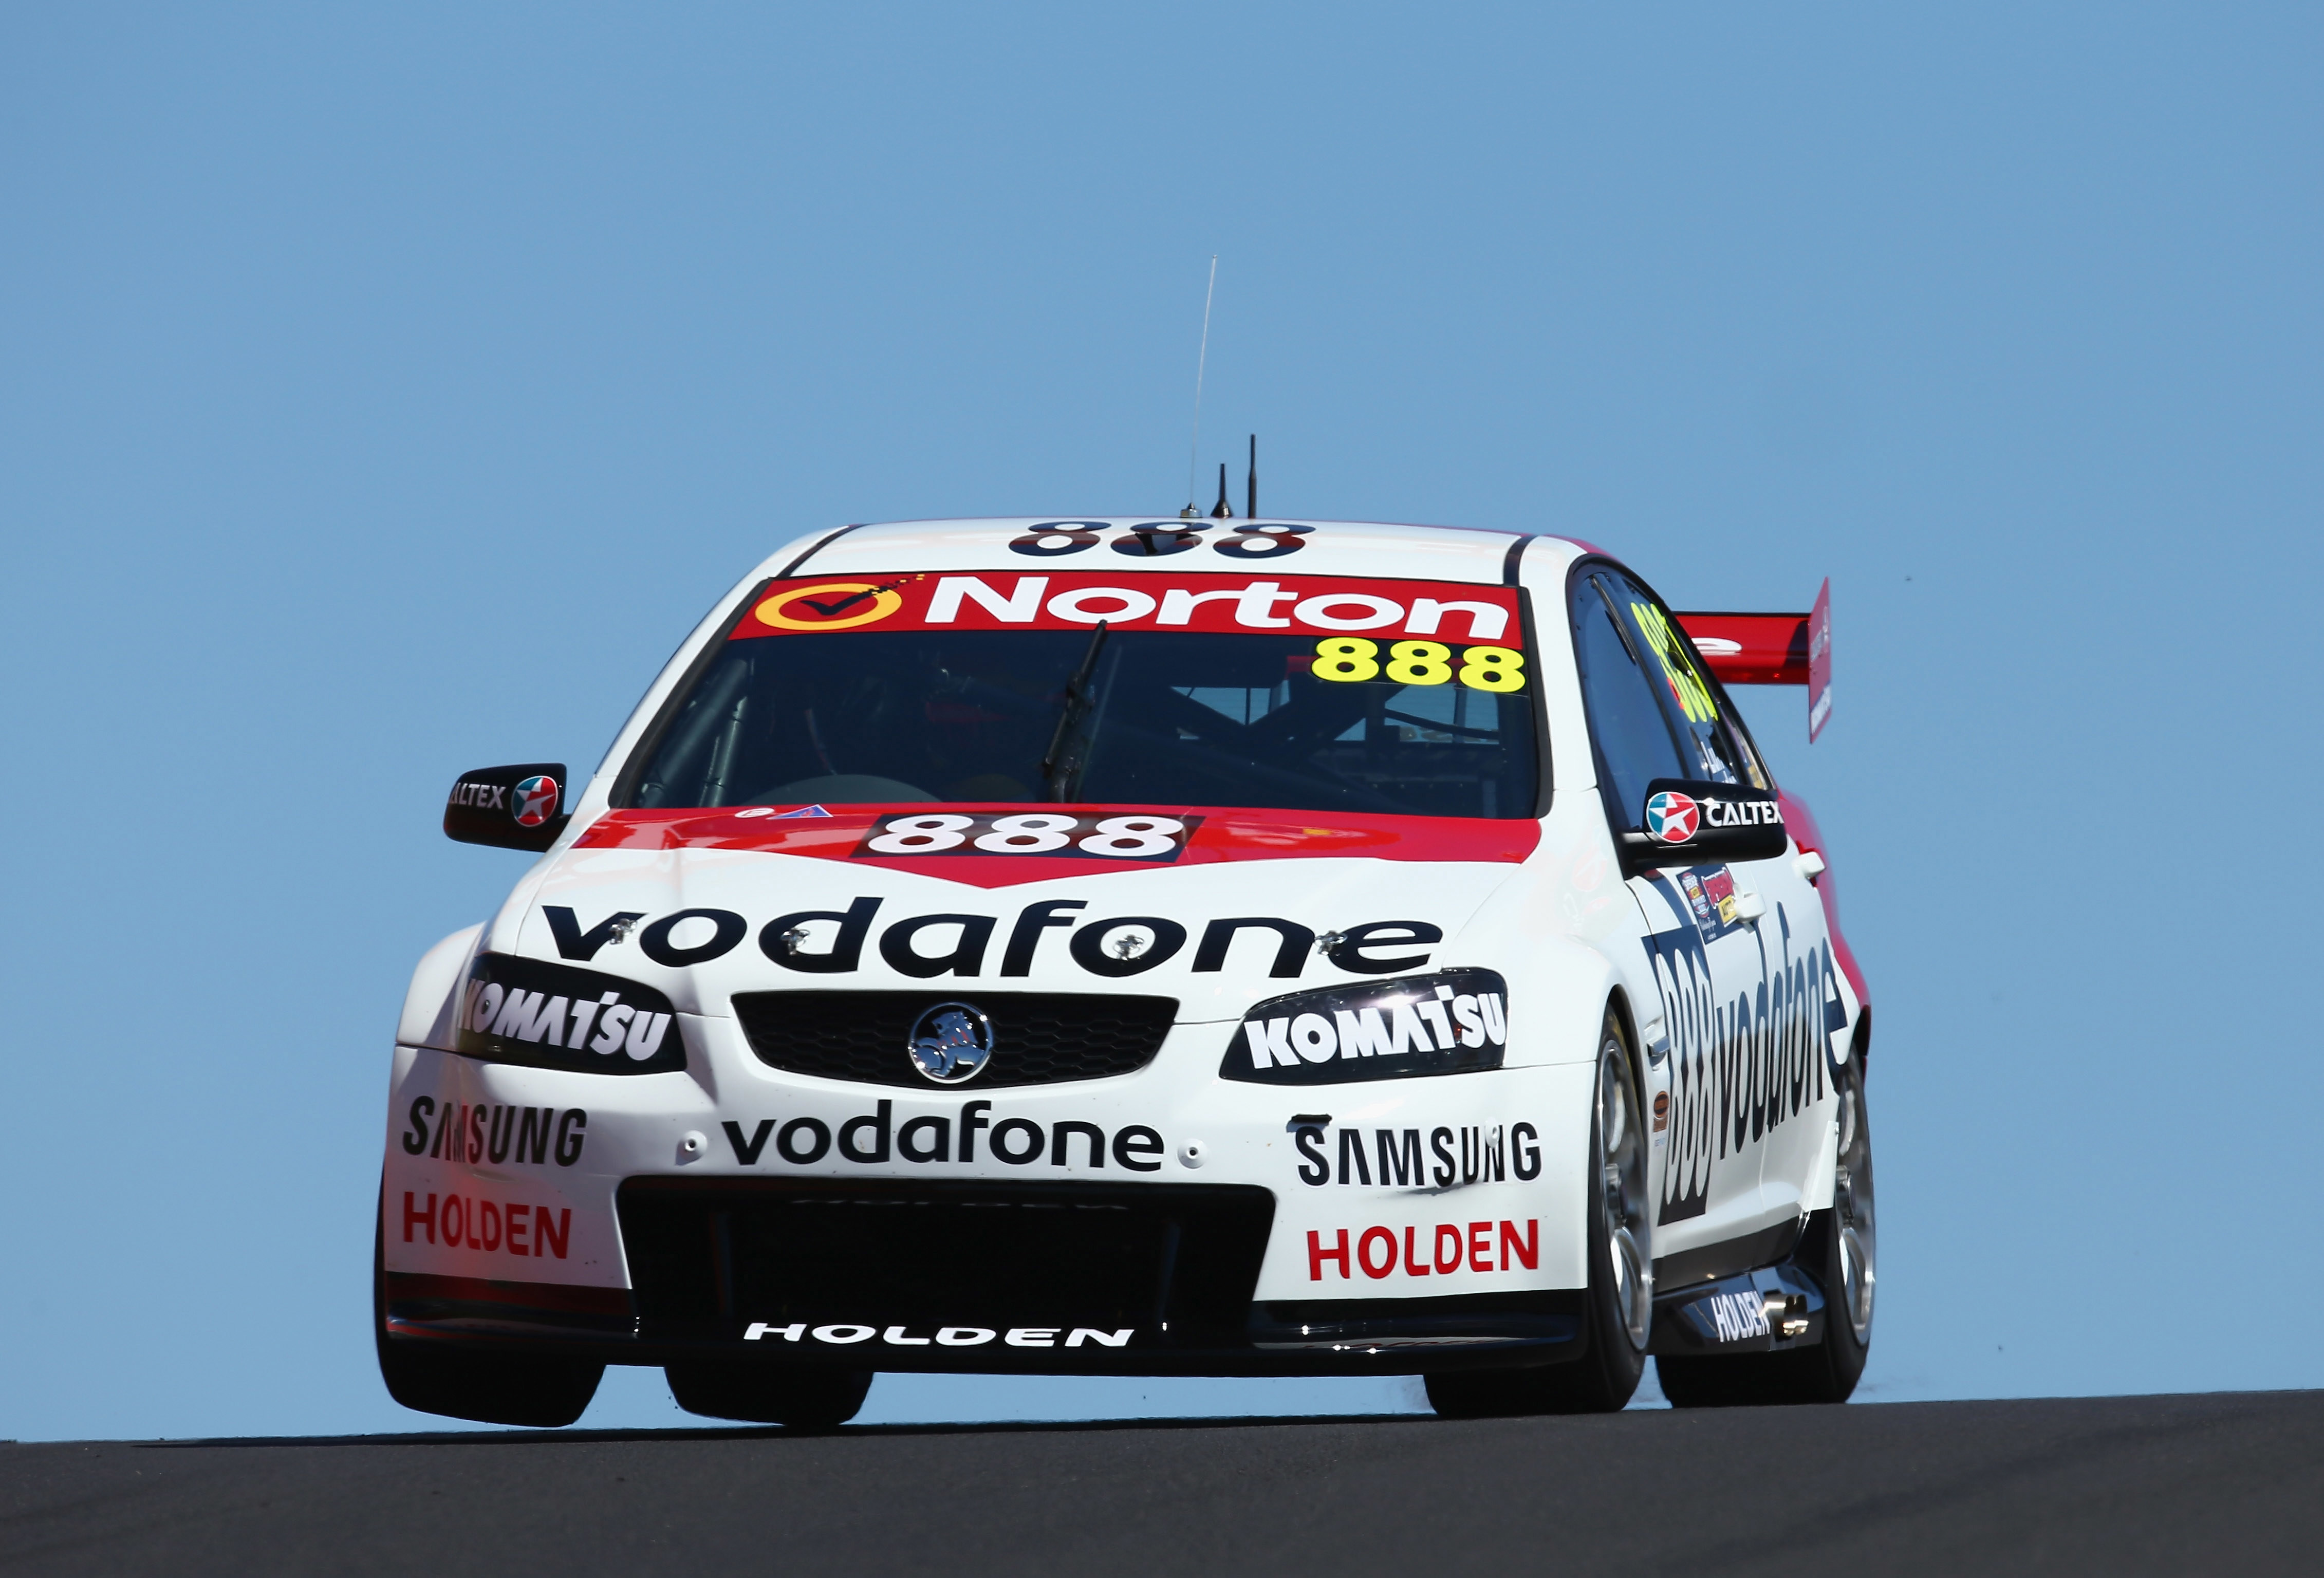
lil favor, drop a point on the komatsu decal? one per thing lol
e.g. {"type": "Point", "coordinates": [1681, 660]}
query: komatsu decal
{"type": "Point", "coordinates": [1454, 1022]}
{"type": "Point", "coordinates": [551, 1016]}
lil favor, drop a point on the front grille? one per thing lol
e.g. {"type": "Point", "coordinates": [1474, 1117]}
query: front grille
{"type": "Point", "coordinates": [1181, 1259]}
{"type": "Point", "coordinates": [1038, 1037]}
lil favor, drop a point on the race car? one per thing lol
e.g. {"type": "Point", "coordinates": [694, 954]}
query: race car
{"type": "Point", "coordinates": [1149, 947]}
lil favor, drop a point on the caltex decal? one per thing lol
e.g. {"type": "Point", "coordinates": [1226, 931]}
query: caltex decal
{"type": "Point", "coordinates": [536, 800]}
{"type": "Point", "coordinates": [1672, 817]}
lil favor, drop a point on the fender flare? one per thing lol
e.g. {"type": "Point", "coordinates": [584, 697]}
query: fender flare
{"type": "Point", "coordinates": [435, 987]}
{"type": "Point", "coordinates": [1566, 986]}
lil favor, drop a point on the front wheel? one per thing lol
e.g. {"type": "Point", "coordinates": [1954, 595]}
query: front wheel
{"type": "Point", "coordinates": [1843, 1255]}
{"type": "Point", "coordinates": [1618, 1307]}
{"type": "Point", "coordinates": [496, 1388]}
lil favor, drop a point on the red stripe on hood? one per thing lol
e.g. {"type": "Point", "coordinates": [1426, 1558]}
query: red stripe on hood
{"type": "Point", "coordinates": [1224, 835]}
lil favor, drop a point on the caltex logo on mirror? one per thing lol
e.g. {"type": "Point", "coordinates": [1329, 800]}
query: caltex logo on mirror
{"type": "Point", "coordinates": [1672, 817]}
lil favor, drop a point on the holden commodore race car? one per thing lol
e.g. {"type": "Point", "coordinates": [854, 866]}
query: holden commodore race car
{"type": "Point", "coordinates": [1156, 947]}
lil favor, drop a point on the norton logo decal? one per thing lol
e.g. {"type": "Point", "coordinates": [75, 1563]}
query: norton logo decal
{"type": "Point", "coordinates": [1457, 612]}
{"type": "Point", "coordinates": [1672, 817]}
{"type": "Point", "coordinates": [831, 942]}
{"type": "Point", "coordinates": [952, 1043]}
{"type": "Point", "coordinates": [829, 606]}
{"type": "Point", "coordinates": [536, 800]}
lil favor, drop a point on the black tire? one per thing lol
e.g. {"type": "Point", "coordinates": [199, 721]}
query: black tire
{"type": "Point", "coordinates": [1840, 1253]}
{"type": "Point", "coordinates": [804, 1397]}
{"type": "Point", "coordinates": [1618, 1305]}
{"type": "Point", "coordinates": [498, 1388]}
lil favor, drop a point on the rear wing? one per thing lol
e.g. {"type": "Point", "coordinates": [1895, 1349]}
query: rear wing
{"type": "Point", "coordinates": [1771, 649]}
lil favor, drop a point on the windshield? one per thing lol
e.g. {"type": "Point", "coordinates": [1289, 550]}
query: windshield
{"type": "Point", "coordinates": [835, 701]}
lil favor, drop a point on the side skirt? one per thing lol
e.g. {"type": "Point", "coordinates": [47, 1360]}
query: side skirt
{"type": "Point", "coordinates": [1766, 1309]}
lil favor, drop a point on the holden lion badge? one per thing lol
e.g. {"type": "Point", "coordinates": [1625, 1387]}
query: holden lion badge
{"type": "Point", "coordinates": [536, 800]}
{"type": "Point", "coordinates": [951, 1043]}
{"type": "Point", "coordinates": [1670, 818]}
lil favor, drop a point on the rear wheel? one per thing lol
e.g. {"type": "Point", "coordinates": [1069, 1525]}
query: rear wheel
{"type": "Point", "coordinates": [804, 1397]}
{"type": "Point", "coordinates": [1843, 1255]}
{"type": "Point", "coordinates": [499, 1388]}
{"type": "Point", "coordinates": [1618, 1306]}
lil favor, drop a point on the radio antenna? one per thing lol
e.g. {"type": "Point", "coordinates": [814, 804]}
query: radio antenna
{"type": "Point", "coordinates": [1194, 447]}
{"type": "Point", "coordinates": [1251, 499]}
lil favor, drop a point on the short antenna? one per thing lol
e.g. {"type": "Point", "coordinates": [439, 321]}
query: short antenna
{"type": "Point", "coordinates": [1250, 485]}
{"type": "Point", "coordinates": [1223, 511]}
{"type": "Point", "coordinates": [1194, 445]}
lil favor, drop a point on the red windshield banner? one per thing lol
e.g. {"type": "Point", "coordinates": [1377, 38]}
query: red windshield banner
{"type": "Point", "coordinates": [1456, 612]}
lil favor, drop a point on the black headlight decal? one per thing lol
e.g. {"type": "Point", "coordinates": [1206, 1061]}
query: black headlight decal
{"type": "Point", "coordinates": [553, 1016]}
{"type": "Point", "coordinates": [1450, 1021]}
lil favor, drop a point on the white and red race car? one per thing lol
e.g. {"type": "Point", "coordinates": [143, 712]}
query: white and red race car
{"type": "Point", "coordinates": [1156, 947]}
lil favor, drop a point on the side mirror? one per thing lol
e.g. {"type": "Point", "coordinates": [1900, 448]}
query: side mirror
{"type": "Point", "coordinates": [511, 808]}
{"type": "Point", "coordinates": [1686, 821]}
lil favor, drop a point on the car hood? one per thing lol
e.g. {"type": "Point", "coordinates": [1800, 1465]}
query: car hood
{"type": "Point", "coordinates": [703, 905]}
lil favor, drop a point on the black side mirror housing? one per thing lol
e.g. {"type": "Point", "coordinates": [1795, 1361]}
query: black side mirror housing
{"type": "Point", "coordinates": [510, 807]}
{"type": "Point", "coordinates": [1688, 822]}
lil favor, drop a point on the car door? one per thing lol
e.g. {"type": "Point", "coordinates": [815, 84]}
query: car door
{"type": "Point", "coordinates": [1704, 1189]}
{"type": "Point", "coordinates": [1752, 1091]}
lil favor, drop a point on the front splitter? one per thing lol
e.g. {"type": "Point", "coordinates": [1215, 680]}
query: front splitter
{"type": "Point", "coordinates": [1346, 1338]}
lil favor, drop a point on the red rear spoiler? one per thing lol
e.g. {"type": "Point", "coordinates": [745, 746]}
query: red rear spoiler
{"type": "Point", "coordinates": [1771, 649]}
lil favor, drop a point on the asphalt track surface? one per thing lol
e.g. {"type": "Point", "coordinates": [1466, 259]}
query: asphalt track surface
{"type": "Point", "coordinates": [2216, 1484]}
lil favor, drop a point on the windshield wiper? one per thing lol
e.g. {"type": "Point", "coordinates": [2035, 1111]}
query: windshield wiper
{"type": "Point", "coordinates": [1061, 768]}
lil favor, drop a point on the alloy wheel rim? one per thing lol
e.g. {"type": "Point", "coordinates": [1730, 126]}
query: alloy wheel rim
{"type": "Point", "coordinates": [1853, 1195]}
{"type": "Point", "coordinates": [1625, 1187]}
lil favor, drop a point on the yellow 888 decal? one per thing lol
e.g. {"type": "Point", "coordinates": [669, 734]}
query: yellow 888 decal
{"type": "Point", "coordinates": [1347, 660]}
{"type": "Point", "coordinates": [1499, 670]}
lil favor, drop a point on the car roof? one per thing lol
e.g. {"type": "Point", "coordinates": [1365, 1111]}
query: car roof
{"type": "Point", "coordinates": [1328, 547]}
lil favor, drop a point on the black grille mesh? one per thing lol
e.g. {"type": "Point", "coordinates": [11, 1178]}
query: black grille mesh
{"type": "Point", "coordinates": [1177, 1259]}
{"type": "Point", "coordinates": [1038, 1037]}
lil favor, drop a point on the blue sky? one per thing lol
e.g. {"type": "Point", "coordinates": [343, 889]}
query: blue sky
{"type": "Point", "coordinates": [388, 389]}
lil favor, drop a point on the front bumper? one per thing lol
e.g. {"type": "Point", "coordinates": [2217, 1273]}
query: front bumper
{"type": "Point", "coordinates": [900, 1275]}
{"type": "Point", "coordinates": [736, 1211]}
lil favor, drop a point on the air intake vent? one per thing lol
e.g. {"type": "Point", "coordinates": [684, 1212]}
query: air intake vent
{"type": "Point", "coordinates": [1038, 1037]}
{"type": "Point", "coordinates": [1176, 1259]}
